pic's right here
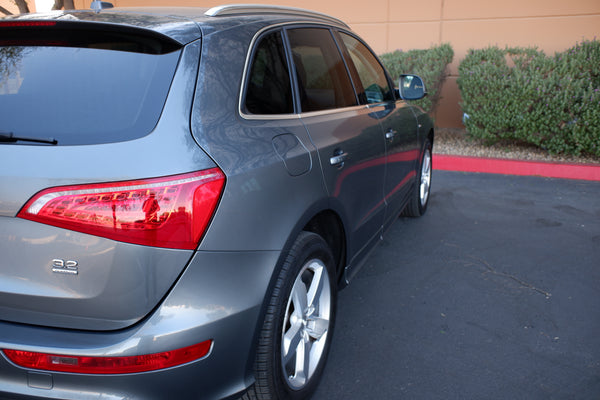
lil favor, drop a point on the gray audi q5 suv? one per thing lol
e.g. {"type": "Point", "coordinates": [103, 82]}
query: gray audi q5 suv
{"type": "Point", "coordinates": [183, 192]}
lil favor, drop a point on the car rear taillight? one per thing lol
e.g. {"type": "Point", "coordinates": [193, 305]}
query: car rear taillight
{"type": "Point", "coordinates": [109, 365]}
{"type": "Point", "coordinates": [171, 212]}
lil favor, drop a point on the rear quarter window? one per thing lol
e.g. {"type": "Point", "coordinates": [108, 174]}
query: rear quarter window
{"type": "Point", "coordinates": [269, 89]}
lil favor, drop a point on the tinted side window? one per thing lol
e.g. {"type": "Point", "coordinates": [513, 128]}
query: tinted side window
{"type": "Point", "coordinates": [269, 90]}
{"type": "Point", "coordinates": [322, 76]}
{"type": "Point", "coordinates": [375, 86]}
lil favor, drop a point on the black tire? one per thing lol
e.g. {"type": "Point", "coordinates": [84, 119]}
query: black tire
{"type": "Point", "coordinates": [309, 265]}
{"type": "Point", "coordinates": [421, 191]}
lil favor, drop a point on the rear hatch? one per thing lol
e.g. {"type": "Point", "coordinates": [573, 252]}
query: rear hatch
{"type": "Point", "coordinates": [97, 172]}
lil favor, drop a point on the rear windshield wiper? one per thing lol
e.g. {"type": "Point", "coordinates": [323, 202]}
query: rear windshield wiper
{"type": "Point", "coordinates": [9, 137]}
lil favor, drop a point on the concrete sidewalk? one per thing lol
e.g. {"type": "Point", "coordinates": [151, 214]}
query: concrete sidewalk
{"type": "Point", "coordinates": [590, 172]}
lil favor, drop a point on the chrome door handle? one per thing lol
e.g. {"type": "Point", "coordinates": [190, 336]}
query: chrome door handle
{"type": "Point", "coordinates": [338, 159]}
{"type": "Point", "coordinates": [390, 135]}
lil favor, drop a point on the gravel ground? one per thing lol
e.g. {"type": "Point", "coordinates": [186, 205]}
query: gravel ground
{"type": "Point", "coordinates": [455, 142]}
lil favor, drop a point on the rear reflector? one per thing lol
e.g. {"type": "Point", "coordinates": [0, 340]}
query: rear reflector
{"type": "Point", "coordinates": [108, 365]}
{"type": "Point", "coordinates": [171, 212]}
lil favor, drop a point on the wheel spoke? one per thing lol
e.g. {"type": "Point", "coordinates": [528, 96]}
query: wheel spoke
{"type": "Point", "coordinates": [291, 341]}
{"type": "Point", "coordinates": [303, 363]}
{"type": "Point", "coordinates": [299, 297]}
{"type": "Point", "coordinates": [317, 327]}
{"type": "Point", "coordinates": [316, 287]}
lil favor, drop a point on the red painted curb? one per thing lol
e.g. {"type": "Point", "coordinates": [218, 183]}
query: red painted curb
{"type": "Point", "coordinates": [588, 172]}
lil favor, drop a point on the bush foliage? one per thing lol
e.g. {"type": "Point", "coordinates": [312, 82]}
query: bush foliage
{"type": "Point", "coordinates": [521, 94]}
{"type": "Point", "coordinates": [430, 64]}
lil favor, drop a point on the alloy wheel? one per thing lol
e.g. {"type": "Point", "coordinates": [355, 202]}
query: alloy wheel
{"type": "Point", "coordinates": [306, 324]}
{"type": "Point", "coordinates": [425, 178]}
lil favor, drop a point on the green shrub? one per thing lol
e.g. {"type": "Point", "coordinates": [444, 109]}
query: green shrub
{"type": "Point", "coordinates": [430, 64]}
{"type": "Point", "coordinates": [522, 94]}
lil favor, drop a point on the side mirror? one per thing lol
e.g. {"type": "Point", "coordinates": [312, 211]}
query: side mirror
{"type": "Point", "coordinates": [411, 87]}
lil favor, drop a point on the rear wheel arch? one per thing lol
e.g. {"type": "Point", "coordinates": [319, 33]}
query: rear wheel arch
{"type": "Point", "coordinates": [431, 135]}
{"type": "Point", "coordinates": [329, 226]}
{"type": "Point", "coordinates": [420, 192]}
{"type": "Point", "coordinates": [325, 222]}
{"type": "Point", "coordinates": [294, 339]}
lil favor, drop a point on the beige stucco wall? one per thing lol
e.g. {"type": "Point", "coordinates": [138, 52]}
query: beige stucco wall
{"type": "Point", "coordinates": [387, 25]}
{"type": "Point", "coordinates": [10, 6]}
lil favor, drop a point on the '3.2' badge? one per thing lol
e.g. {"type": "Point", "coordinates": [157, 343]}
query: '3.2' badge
{"type": "Point", "coordinates": [65, 267]}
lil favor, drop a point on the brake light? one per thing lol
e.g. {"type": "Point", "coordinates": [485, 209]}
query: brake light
{"type": "Point", "coordinates": [26, 24]}
{"type": "Point", "coordinates": [171, 212]}
{"type": "Point", "coordinates": [109, 365]}
{"type": "Point", "coordinates": [21, 42]}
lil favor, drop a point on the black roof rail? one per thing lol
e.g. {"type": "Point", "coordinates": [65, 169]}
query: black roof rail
{"type": "Point", "coordinates": [237, 9]}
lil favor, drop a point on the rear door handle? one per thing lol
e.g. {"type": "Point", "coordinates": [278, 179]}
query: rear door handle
{"type": "Point", "coordinates": [339, 158]}
{"type": "Point", "coordinates": [390, 135]}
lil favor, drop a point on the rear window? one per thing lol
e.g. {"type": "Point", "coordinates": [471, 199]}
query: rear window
{"type": "Point", "coordinates": [100, 89]}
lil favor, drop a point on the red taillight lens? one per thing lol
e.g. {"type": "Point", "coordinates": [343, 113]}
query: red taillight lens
{"type": "Point", "coordinates": [26, 24]}
{"type": "Point", "coordinates": [171, 212]}
{"type": "Point", "coordinates": [109, 365]}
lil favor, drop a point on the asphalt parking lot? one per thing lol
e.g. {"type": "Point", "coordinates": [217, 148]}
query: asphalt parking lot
{"type": "Point", "coordinates": [493, 294]}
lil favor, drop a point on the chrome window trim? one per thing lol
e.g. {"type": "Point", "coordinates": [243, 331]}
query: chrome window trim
{"type": "Point", "coordinates": [269, 117]}
{"type": "Point", "coordinates": [335, 110]}
{"type": "Point", "coordinates": [272, 117]}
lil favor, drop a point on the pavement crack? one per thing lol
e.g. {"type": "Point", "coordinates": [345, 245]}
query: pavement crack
{"type": "Point", "coordinates": [479, 262]}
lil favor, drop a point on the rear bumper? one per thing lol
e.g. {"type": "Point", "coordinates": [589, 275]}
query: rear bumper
{"type": "Point", "coordinates": [218, 297]}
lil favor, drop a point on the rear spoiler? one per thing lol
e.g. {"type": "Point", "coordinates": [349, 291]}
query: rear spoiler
{"type": "Point", "coordinates": [83, 34]}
